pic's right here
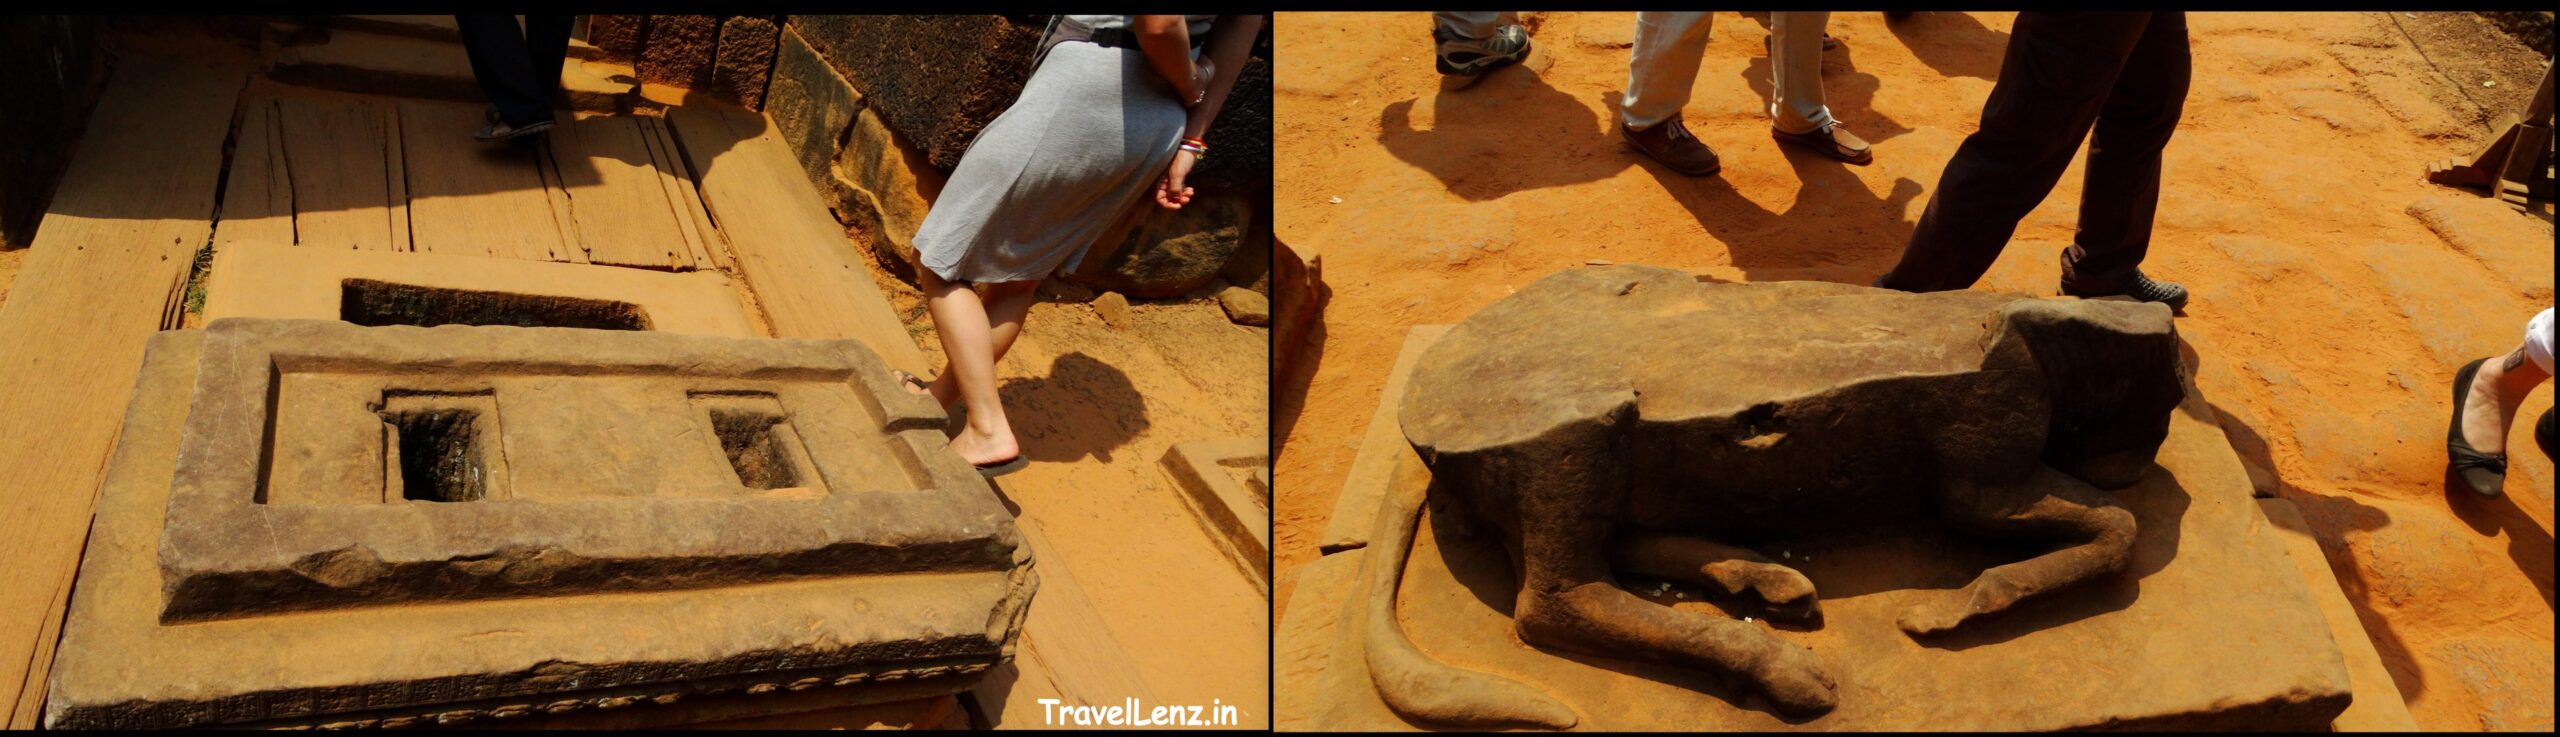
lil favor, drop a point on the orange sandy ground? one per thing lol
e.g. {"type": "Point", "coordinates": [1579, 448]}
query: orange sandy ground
{"type": "Point", "coordinates": [1096, 407]}
{"type": "Point", "coordinates": [2328, 321]}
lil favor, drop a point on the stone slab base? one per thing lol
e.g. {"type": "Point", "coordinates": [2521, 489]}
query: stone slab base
{"type": "Point", "coordinates": [1227, 486]}
{"type": "Point", "coordinates": [2378, 706]}
{"type": "Point", "coordinates": [452, 661]}
{"type": "Point", "coordinates": [2210, 628]}
{"type": "Point", "coordinates": [251, 279]}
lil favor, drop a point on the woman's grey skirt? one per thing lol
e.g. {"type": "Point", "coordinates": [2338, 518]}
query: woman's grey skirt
{"type": "Point", "coordinates": [1091, 133]}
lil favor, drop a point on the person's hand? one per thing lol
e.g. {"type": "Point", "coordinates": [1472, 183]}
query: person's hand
{"type": "Point", "coordinates": [1202, 70]}
{"type": "Point", "coordinates": [1170, 191]}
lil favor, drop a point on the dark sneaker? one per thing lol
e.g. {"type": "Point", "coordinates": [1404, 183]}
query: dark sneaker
{"type": "Point", "coordinates": [2140, 287]}
{"type": "Point", "coordinates": [500, 131]}
{"type": "Point", "coordinates": [1670, 143]}
{"type": "Point", "coordinates": [1471, 56]}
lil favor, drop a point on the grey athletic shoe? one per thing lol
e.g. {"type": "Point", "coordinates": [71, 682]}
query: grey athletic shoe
{"type": "Point", "coordinates": [1472, 56]}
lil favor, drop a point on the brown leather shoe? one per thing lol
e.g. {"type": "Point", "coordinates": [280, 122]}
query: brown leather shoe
{"type": "Point", "coordinates": [1670, 143]}
{"type": "Point", "coordinates": [1829, 141]}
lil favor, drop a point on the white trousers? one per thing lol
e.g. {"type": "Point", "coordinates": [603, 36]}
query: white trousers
{"type": "Point", "coordinates": [2537, 340]}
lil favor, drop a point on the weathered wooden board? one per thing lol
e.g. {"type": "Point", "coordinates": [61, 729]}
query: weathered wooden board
{"type": "Point", "coordinates": [616, 198]}
{"type": "Point", "coordinates": [471, 198]}
{"type": "Point", "coordinates": [257, 200]}
{"type": "Point", "coordinates": [133, 206]}
{"type": "Point", "coordinates": [336, 155]}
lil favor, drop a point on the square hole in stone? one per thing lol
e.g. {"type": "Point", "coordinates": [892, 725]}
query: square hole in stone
{"type": "Point", "coordinates": [757, 438]}
{"type": "Point", "coordinates": [377, 303]}
{"type": "Point", "coordinates": [436, 447]}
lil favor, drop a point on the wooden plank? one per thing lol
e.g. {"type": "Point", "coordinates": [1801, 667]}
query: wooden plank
{"type": "Point", "coordinates": [334, 151]}
{"type": "Point", "coordinates": [471, 198]}
{"type": "Point", "coordinates": [257, 200]}
{"type": "Point", "coordinates": [714, 243]}
{"type": "Point", "coordinates": [135, 202]}
{"type": "Point", "coordinates": [616, 200]}
{"type": "Point", "coordinates": [570, 250]}
{"type": "Point", "coordinates": [663, 160]}
{"type": "Point", "coordinates": [788, 247]}
{"type": "Point", "coordinates": [395, 166]}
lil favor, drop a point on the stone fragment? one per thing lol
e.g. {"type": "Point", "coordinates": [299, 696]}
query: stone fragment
{"type": "Point", "coordinates": [1164, 253]}
{"type": "Point", "coordinates": [1234, 512]}
{"type": "Point", "coordinates": [1114, 310]}
{"type": "Point", "coordinates": [1245, 306]}
{"type": "Point", "coordinates": [744, 60]}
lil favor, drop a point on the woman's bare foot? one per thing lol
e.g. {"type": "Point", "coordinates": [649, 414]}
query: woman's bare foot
{"type": "Point", "coordinates": [983, 448]}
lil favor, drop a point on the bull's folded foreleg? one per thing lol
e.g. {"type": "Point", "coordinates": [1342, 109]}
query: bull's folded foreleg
{"type": "Point", "coordinates": [2048, 505]}
{"type": "Point", "coordinates": [1725, 568]}
{"type": "Point", "coordinates": [1568, 485]}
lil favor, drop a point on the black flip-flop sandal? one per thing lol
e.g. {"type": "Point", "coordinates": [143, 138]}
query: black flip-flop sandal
{"type": "Point", "coordinates": [992, 470]}
{"type": "Point", "coordinates": [2485, 473]}
{"type": "Point", "coordinates": [913, 380]}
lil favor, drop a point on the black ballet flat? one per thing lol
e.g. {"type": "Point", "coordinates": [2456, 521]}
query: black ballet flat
{"type": "Point", "coordinates": [2542, 433]}
{"type": "Point", "coordinates": [2485, 473]}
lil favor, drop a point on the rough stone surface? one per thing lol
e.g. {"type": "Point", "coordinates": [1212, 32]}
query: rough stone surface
{"type": "Point", "coordinates": [2208, 579]}
{"type": "Point", "coordinates": [617, 35]}
{"type": "Point", "coordinates": [745, 60]}
{"type": "Point", "coordinates": [1630, 413]}
{"type": "Point", "coordinates": [251, 279]}
{"type": "Point", "coordinates": [679, 50]}
{"type": "Point", "coordinates": [2512, 245]}
{"type": "Point", "coordinates": [1245, 306]}
{"type": "Point", "coordinates": [882, 186]}
{"type": "Point", "coordinates": [1240, 139]}
{"type": "Point", "coordinates": [937, 79]}
{"type": "Point", "coordinates": [678, 529]}
{"type": "Point", "coordinates": [1163, 253]}
{"type": "Point", "coordinates": [810, 106]}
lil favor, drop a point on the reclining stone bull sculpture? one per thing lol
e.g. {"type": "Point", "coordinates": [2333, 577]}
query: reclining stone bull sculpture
{"type": "Point", "coordinates": [1631, 419]}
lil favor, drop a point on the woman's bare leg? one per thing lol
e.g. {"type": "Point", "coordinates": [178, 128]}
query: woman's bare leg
{"type": "Point", "coordinates": [967, 338]}
{"type": "Point", "coordinates": [1007, 304]}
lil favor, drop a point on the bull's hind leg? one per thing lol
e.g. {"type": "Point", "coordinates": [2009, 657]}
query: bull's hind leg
{"type": "Point", "coordinates": [1568, 601]}
{"type": "Point", "coordinates": [2049, 505]}
{"type": "Point", "coordinates": [1724, 567]}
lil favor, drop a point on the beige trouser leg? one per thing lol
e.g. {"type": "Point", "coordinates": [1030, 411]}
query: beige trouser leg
{"type": "Point", "coordinates": [1795, 71]}
{"type": "Point", "coordinates": [1663, 65]}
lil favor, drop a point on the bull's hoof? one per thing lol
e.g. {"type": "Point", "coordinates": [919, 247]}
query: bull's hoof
{"type": "Point", "coordinates": [1943, 611]}
{"type": "Point", "coordinates": [1795, 682]}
